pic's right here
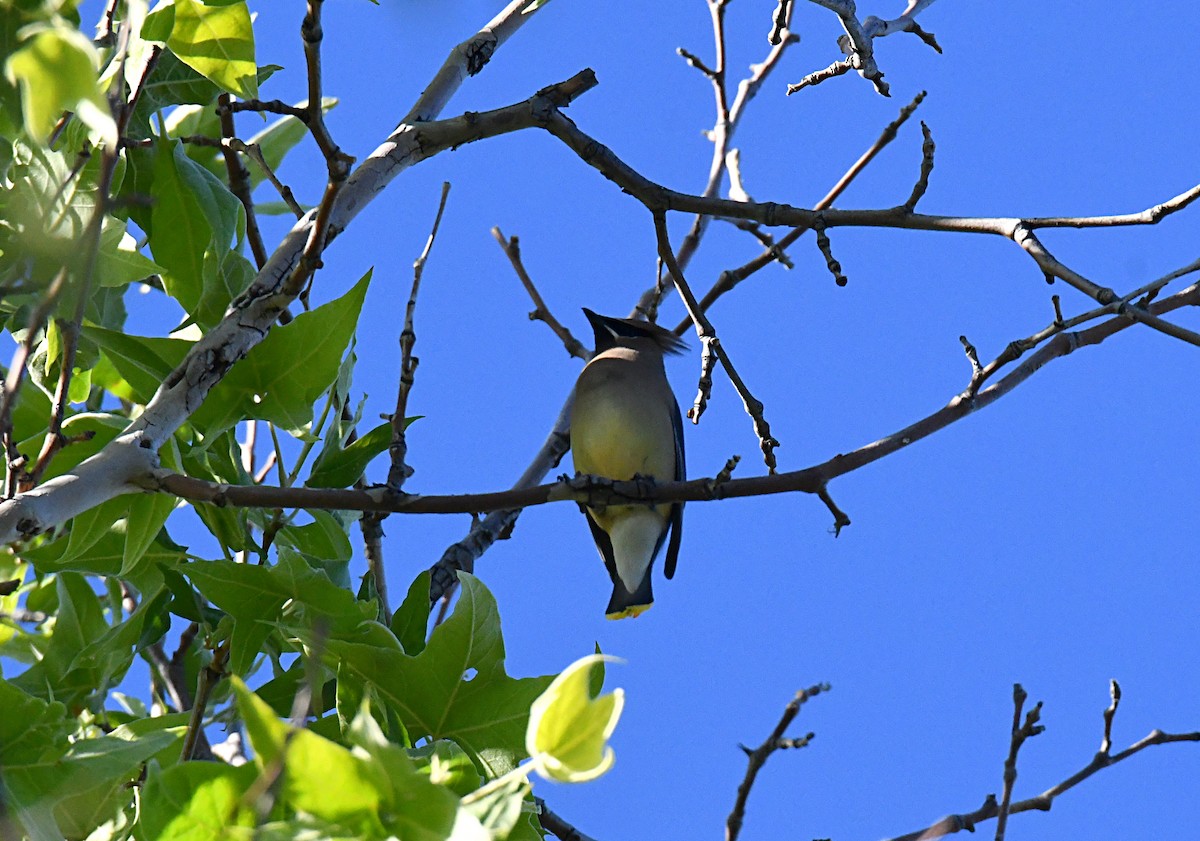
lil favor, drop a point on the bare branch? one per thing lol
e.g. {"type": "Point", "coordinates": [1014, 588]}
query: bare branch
{"type": "Point", "coordinates": [826, 248]}
{"type": "Point", "coordinates": [239, 182]}
{"type": "Point", "coordinates": [1114, 691]}
{"type": "Point", "coordinates": [758, 757]}
{"type": "Point", "coordinates": [556, 825]}
{"type": "Point", "coordinates": [127, 460]}
{"type": "Point", "coordinates": [512, 250]}
{"type": "Point", "coordinates": [729, 279]}
{"type": "Point", "coordinates": [400, 471]}
{"type": "Point", "coordinates": [779, 21]}
{"type": "Point", "coordinates": [857, 44]}
{"type": "Point", "coordinates": [1020, 732]}
{"type": "Point", "coordinates": [927, 149]}
{"type": "Point", "coordinates": [1042, 802]}
{"type": "Point", "coordinates": [504, 504]}
{"type": "Point", "coordinates": [728, 117]}
{"type": "Point", "coordinates": [708, 336]}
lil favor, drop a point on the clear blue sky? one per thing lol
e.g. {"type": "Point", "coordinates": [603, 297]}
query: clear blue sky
{"type": "Point", "coordinates": [1050, 539]}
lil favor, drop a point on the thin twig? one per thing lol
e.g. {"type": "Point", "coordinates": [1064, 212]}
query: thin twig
{"type": "Point", "coordinates": [270, 106]}
{"type": "Point", "coordinates": [239, 182]}
{"type": "Point", "coordinates": [779, 21]}
{"type": "Point", "coordinates": [731, 278]}
{"type": "Point", "coordinates": [708, 336]}
{"type": "Point", "coordinates": [857, 43]}
{"type": "Point", "coordinates": [16, 371]}
{"type": "Point", "coordinates": [1020, 732]}
{"type": "Point", "coordinates": [728, 117]}
{"type": "Point", "coordinates": [512, 249]}
{"type": "Point", "coordinates": [311, 33]}
{"type": "Point", "coordinates": [207, 680]}
{"type": "Point", "coordinates": [1042, 802]}
{"type": "Point", "coordinates": [372, 524]}
{"type": "Point", "coordinates": [556, 825]}
{"type": "Point", "coordinates": [757, 758]}
{"type": "Point", "coordinates": [826, 249]}
{"type": "Point", "coordinates": [408, 363]}
{"type": "Point", "coordinates": [928, 147]}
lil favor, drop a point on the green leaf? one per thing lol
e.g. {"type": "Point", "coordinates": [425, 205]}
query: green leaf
{"type": "Point", "coordinates": [90, 431]}
{"type": "Point", "coordinates": [196, 801]}
{"type": "Point", "coordinates": [426, 809]}
{"type": "Point", "coordinates": [159, 22]}
{"type": "Point", "coordinates": [147, 515]}
{"type": "Point", "coordinates": [171, 83]}
{"type": "Point", "coordinates": [87, 528]}
{"type": "Point", "coordinates": [218, 42]}
{"type": "Point", "coordinates": [318, 777]}
{"type": "Point", "coordinates": [143, 362]}
{"type": "Point", "coordinates": [58, 70]}
{"type": "Point", "coordinates": [80, 619]}
{"type": "Point", "coordinates": [435, 691]}
{"type": "Point", "coordinates": [118, 262]}
{"type": "Point", "coordinates": [324, 538]}
{"type": "Point", "coordinates": [411, 620]}
{"type": "Point", "coordinates": [342, 468]}
{"type": "Point", "coordinates": [255, 596]}
{"type": "Point", "coordinates": [85, 656]}
{"type": "Point", "coordinates": [30, 727]}
{"type": "Point", "coordinates": [74, 792]}
{"type": "Point", "coordinates": [105, 557]}
{"type": "Point", "coordinates": [447, 765]}
{"type": "Point", "coordinates": [200, 217]}
{"type": "Point", "coordinates": [498, 807]}
{"type": "Point", "coordinates": [569, 726]}
{"type": "Point", "coordinates": [282, 376]}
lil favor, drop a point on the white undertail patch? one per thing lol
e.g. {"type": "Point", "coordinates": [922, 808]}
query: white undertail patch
{"type": "Point", "coordinates": [633, 537]}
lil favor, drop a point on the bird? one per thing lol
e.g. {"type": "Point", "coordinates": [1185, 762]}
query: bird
{"type": "Point", "coordinates": [625, 424]}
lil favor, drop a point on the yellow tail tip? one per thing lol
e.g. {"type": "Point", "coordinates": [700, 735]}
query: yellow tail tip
{"type": "Point", "coordinates": [630, 612]}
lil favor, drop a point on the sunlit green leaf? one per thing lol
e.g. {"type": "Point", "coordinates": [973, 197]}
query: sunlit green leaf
{"type": "Point", "coordinates": [342, 468]}
{"type": "Point", "coordinates": [282, 376]}
{"type": "Point", "coordinates": [201, 217]}
{"type": "Point", "coordinates": [457, 687]}
{"type": "Point", "coordinates": [218, 42]}
{"type": "Point", "coordinates": [118, 261]}
{"type": "Point", "coordinates": [196, 801]}
{"type": "Point", "coordinates": [569, 726]}
{"type": "Point", "coordinates": [58, 70]}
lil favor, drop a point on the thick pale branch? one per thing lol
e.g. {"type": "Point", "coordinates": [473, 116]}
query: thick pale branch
{"type": "Point", "coordinates": [253, 313]}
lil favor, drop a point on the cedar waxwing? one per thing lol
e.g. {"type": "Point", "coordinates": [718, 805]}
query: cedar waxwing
{"type": "Point", "coordinates": [625, 424]}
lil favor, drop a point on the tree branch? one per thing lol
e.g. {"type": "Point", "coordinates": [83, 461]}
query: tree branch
{"type": "Point", "coordinates": [131, 456]}
{"type": "Point", "coordinates": [757, 758]}
{"type": "Point", "coordinates": [1042, 802]}
{"type": "Point", "coordinates": [599, 491]}
{"type": "Point", "coordinates": [512, 250]}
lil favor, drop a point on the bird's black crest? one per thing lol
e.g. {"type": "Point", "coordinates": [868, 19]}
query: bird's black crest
{"type": "Point", "coordinates": [609, 329]}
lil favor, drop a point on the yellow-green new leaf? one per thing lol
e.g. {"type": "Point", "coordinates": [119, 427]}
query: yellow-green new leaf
{"type": "Point", "coordinates": [218, 43]}
{"type": "Point", "coordinates": [569, 726]}
{"type": "Point", "coordinates": [58, 70]}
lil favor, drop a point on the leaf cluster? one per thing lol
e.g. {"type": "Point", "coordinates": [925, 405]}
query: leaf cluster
{"type": "Point", "coordinates": [116, 202]}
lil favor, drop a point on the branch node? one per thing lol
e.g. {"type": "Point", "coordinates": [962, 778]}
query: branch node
{"type": "Point", "coordinates": [823, 243]}
{"type": "Point", "coordinates": [840, 520]}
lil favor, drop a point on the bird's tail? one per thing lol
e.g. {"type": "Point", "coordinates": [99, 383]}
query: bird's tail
{"type": "Point", "coordinates": [625, 604]}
